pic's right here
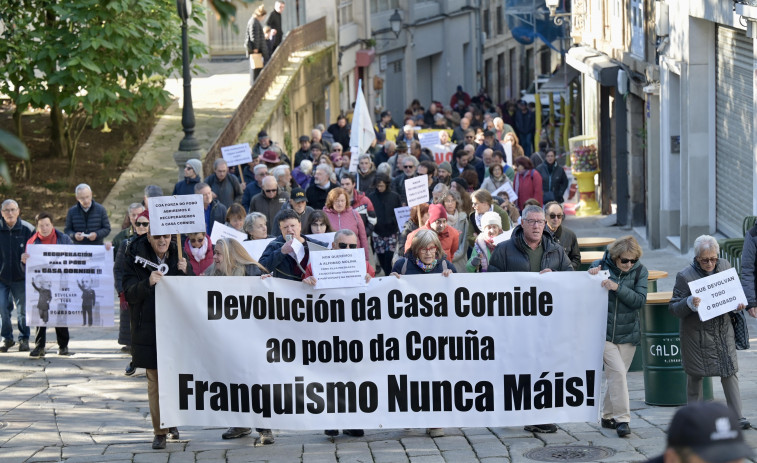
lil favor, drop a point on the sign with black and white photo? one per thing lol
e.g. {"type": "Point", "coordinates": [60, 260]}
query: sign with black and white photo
{"type": "Point", "coordinates": [69, 285]}
{"type": "Point", "coordinates": [176, 214]}
{"type": "Point", "coordinates": [474, 350]}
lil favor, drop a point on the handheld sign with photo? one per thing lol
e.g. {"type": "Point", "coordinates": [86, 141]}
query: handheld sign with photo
{"type": "Point", "coordinates": [429, 139]}
{"type": "Point", "coordinates": [176, 214]}
{"type": "Point", "coordinates": [416, 190]}
{"type": "Point", "coordinates": [235, 155]}
{"type": "Point", "coordinates": [508, 188]}
{"type": "Point", "coordinates": [340, 268]}
{"type": "Point", "coordinates": [402, 214]}
{"type": "Point", "coordinates": [719, 293]}
{"type": "Point", "coordinates": [224, 231]}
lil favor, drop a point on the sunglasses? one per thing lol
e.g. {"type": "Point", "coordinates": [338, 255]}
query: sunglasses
{"type": "Point", "coordinates": [407, 167]}
{"type": "Point", "coordinates": [711, 260]}
{"type": "Point", "coordinates": [141, 224]}
{"type": "Point", "coordinates": [626, 261]}
{"type": "Point", "coordinates": [556, 216]}
{"type": "Point", "coordinates": [271, 191]}
{"type": "Point", "coordinates": [345, 246]}
{"type": "Point", "coordinates": [196, 240]}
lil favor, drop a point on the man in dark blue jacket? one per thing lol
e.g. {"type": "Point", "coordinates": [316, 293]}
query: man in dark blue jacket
{"type": "Point", "coordinates": [87, 222]}
{"type": "Point", "coordinates": [192, 176]}
{"type": "Point", "coordinates": [280, 256]}
{"type": "Point", "coordinates": [14, 233]}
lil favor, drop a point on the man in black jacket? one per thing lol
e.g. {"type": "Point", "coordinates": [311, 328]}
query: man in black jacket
{"type": "Point", "coordinates": [274, 22]}
{"type": "Point", "coordinates": [562, 234]}
{"type": "Point", "coordinates": [87, 222]}
{"type": "Point", "coordinates": [280, 256]}
{"type": "Point", "coordinates": [14, 233]}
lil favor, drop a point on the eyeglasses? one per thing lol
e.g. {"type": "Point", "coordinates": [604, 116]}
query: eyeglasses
{"type": "Point", "coordinates": [141, 224]}
{"type": "Point", "coordinates": [345, 246]}
{"type": "Point", "coordinates": [407, 167]}
{"type": "Point", "coordinates": [556, 216]}
{"type": "Point", "coordinates": [271, 191]}
{"type": "Point", "coordinates": [469, 136]}
{"type": "Point", "coordinates": [711, 260]}
{"type": "Point", "coordinates": [10, 209]}
{"type": "Point", "coordinates": [632, 261]}
{"type": "Point", "coordinates": [533, 222]}
{"type": "Point", "coordinates": [188, 167]}
{"type": "Point", "coordinates": [196, 240]}
{"type": "Point", "coordinates": [165, 237]}
{"type": "Point", "coordinates": [428, 250]}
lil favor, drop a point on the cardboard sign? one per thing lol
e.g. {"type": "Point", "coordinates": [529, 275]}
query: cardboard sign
{"type": "Point", "coordinates": [402, 214]}
{"type": "Point", "coordinates": [428, 139]}
{"type": "Point", "coordinates": [338, 268]}
{"type": "Point", "coordinates": [235, 155]}
{"type": "Point", "coordinates": [176, 214]}
{"type": "Point", "coordinates": [720, 293]}
{"type": "Point", "coordinates": [224, 231]}
{"type": "Point", "coordinates": [416, 190]}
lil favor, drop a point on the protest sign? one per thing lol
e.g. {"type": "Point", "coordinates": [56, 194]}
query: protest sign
{"type": "Point", "coordinates": [402, 214]}
{"type": "Point", "coordinates": [224, 231]}
{"type": "Point", "coordinates": [507, 187]}
{"type": "Point", "coordinates": [339, 268]}
{"type": "Point", "coordinates": [719, 293]}
{"type": "Point", "coordinates": [468, 350]}
{"type": "Point", "coordinates": [428, 139]}
{"type": "Point", "coordinates": [441, 153]}
{"type": "Point", "coordinates": [504, 236]}
{"type": "Point", "coordinates": [416, 190]}
{"type": "Point", "coordinates": [508, 146]}
{"type": "Point", "coordinates": [176, 214]}
{"type": "Point", "coordinates": [255, 248]}
{"type": "Point", "coordinates": [235, 155]}
{"type": "Point", "coordinates": [69, 285]}
{"type": "Point", "coordinates": [324, 239]}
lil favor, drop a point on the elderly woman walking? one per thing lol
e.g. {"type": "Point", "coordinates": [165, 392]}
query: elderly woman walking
{"type": "Point", "coordinates": [627, 286]}
{"type": "Point", "coordinates": [707, 348]}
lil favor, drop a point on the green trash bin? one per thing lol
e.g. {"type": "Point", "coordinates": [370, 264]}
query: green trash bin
{"type": "Point", "coordinates": [664, 378]}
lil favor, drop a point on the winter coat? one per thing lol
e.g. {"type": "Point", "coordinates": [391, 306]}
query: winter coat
{"type": "Point", "coordinates": [384, 205]}
{"type": "Point", "coordinates": [94, 220]}
{"type": "Point", "coordinates": [554, 182]}
{"type": "Point", "coordinates": [12, 245]}
{"type": "Point", "coordinates": [367, 181]}
{"type": "Point", "coordinates": [317, 195]}
{"type": "Point", "coordinates": [450, 242]}
{"type": "Point", "coordinates": [228, 191]}
{"type": "Point", "coordinates": [412, 268]}
{"type": "Point", "coordinates": [186, 186]}
{"type": "Point", "coordinates": [511, 256]}
{"type": "Point", "coordinates": [527, 185]}
{"type": "Point", "coordinates": [461, 223]}
{"type": "Point", "coordinates": [351, 220]}
{"type": "Point", "coordinates": [707, 348]}
{"type": "Point", "coordinates": [625, 302]}
{"type": "Point", "coordinates": [364, 207]}
{"type": "Point", "coordinates": [256, 38]}
{"type": "Point", "coordinates": [748, 267]}
{"type": "Point", "coordinates": [269, 207]}
{"type": "Point", "coordinates": [283, 265]}
{"type": "Point", "coordinates": [491, 184]}
{"type": "Point", "coordinates": [122, 236]}
{"type": "Point", "coordinates": [567, 239]}
{"type": "Point", "coordinates": [273, 228]}
{"type": "Point", "coordinates": [473, 230]}
{"type": "Point", "coordinates": [141, 298]}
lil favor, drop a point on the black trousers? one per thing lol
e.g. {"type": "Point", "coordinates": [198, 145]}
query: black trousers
{"type": "Point", "coordinates": [61, 333]}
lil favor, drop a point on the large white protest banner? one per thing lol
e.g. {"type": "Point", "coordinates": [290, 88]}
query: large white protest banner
{"type": "Point", "coordinates": [467, 350]}
{"type": "Point", "coordinates": [338, 268]}
{"type": "Point", "coordinates": [416, 190]}
{"type": "Point", "coordinates": [235, 155]}
{"type": "Point", "coordinates": [69, 285]}
{"type": "Point", "coordinates": [429, 139]}
{"type": "Point", "coordinates": [176, 214]}
{"type": "Point", "coordinates": [719, 293]}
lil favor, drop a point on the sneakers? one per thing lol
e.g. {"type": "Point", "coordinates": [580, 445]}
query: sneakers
{"type": "Point", "coordinates": [173, 434]}
{"type": "Point", "coordinates": [542, 428]}
{"type": "Point", "coordinates": [744, 423]}
{"type": "Point", "coordinates": [38, 352]}
{"type": "Point", "coordinates": [130, 369]}
{"type": "Point", "coordinates": [609, 423]}
{"type": "Point", "coordinates": [159, 442]}
{"type": "Point", "coordinates": [23, 345]}
{"type": "Point", "coordinates": [7, 344]}
{"type": "Point", "coordinates": [234, 433]}
{"type": "Point", "coordinates": [435, 432]}
{"type": "Point", "coordinates": [64, 351]}
{"type": "Point", "coordinates": [623, 429]}
{"type": "Point", "coordinates": [266, 437]}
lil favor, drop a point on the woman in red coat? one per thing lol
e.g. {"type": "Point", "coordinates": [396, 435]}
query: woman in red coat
{"type": "Point", "coordinates": [437, 221]}
{"type": "Point", "coordinates": [527, 182]}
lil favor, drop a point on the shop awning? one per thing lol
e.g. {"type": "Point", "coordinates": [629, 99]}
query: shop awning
{"type": "Point", "coordinates": [560, 80]}
{"type": "Point", "coordinates": [594, 64]}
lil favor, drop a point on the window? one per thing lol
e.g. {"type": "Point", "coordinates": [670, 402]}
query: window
{"type": "Point", "coordinates": [345, 12]}
{"type": "Point", "coordinates": [500, 21]}
{"type": "Point", "coordinates": [383, 5]}
{"type": "Point", "coordinates": [637, 28]}
{"type": "Point", "coordinates": [487, 22]}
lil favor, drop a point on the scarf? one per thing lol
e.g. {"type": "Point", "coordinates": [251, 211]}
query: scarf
{"type": "Point", "coordinates": [426, 268]}
{"type": "Point", "coordinates": [484, 247]}
{"type": "Point", "coordinates": [199, 253]}
{"type": "Point", "coordinates": [52, 238]}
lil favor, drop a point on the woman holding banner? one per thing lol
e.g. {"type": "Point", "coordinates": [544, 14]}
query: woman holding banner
{"type": "Point", "coordinates": [707, 348]}
{"type": "Point", "coordinates": [145, 257]}
{"type": "Point", "coordinates": [627, 286]}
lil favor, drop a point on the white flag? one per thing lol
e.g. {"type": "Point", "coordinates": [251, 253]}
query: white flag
{"type": "Point", "coordinates": [362, 129]}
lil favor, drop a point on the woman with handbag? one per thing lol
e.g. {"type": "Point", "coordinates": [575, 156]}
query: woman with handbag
{"type": "Point", "coordinates": [257, 47]}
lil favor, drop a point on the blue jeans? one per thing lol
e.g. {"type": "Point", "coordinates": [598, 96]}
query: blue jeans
{"type": "Point", "coordinates": [10, 295]}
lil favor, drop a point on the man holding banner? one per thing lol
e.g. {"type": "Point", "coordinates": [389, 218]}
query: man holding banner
{"type": "Point", "coordinates": [288, 254]}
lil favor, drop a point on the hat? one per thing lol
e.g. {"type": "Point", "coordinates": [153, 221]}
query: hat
{"type": "Point", "coordinates": [446, 166]}
{"type": "Point", "coordinates": [316, 146]}
{"type": "Point", "coordinates": [436, 212]}
{"type": "Point", "coordinates": [298, 195]}
{"type": "Point", "coordinates": [271, 157]}
{"type": "Point", "coordinates": [196, 166]}
{"type": "Point", "coordinates": [711, 430]}
{"type": "Point", "coordinates": [491, 218]}
{"type": "Point", "coordinates": [144, 214]}
{"type": "Point", "coordinates": [304, 138]}
{"type": "Point", "coordinates": [401, 146]}
{"type": "Point", "coordinates": [262, 134]}
{"type": "Point", "coordinates": [459, 88]}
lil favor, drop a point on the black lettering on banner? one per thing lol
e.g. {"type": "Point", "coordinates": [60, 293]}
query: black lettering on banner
{"type": "Point", "coordinates": [366, 310]}
{"type": "Point", "coordinates": [426, 396]}
{"type": "Point", "coordinates": [381, 350]}
{"type": "Point", "coordinates": [522, 394]}
{"type": "Point", "coordinates": [278, 351]}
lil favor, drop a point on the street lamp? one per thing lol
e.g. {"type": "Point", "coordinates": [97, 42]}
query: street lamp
{"type": "Point", "coordinates": [556, 17]}
{"type": "Point", "coordinates": [395, 21]}
{"type": "Point", "coordinates": [189, 142]}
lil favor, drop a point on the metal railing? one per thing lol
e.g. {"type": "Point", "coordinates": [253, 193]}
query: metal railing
{"type": "Point", "coordinates": [298, 39]}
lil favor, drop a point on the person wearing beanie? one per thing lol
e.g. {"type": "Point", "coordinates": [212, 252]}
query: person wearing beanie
{"type": "Point", "coordinates": [444, 173]}
{"type": "Point", "coordinates": [491, 228]}
{"type": "Point", "coordinates": [192, 176]}
{"type": "Point", "coordinates": [437, 221]}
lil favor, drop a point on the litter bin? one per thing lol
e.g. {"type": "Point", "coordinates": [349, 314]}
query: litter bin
{"type": "Point", "coordinates": [664, 378]}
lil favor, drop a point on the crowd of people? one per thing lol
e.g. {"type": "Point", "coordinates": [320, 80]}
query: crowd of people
{"type": "Point", "coordinates": [459, 230]}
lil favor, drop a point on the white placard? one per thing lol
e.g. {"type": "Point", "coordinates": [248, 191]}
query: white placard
{"type": "Point", "coordinates": [429, 139]}
{"type": "Point", "coordinates": [507, 187]}
{"type": "Point", "coordinates": [255, 248]}
{"type": "Point", "coordinates": [504, 236]}
{"type": "Point", "coordinates": [720, 293]}
{"type": "Point", "coordinates": [416, 190]}
{"type": "Point", "coordinates": [176, 214]}
{"type": "Point", "coordinates": [441, 153]}
{"type": "Point", "coordinates": [325, 238]}
{"type": "Point", "coordinates": [338, 268]}
{"type": "Point", "coordinates": [69, 285]}
{"type": "Point", "coordinates": [299, 250]}
{"type": "Point", "coordinates": [380, 348]}
{"type": "Point", "coordinates": [508, 146]}
{"type": "Point", "coordinates": [402, 214]}
{"type": "Point", "coordinates": [224, 231]}
{"type": "Point", "coordinates": [235, 155]}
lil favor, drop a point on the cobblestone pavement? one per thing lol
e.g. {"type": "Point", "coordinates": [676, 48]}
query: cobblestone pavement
{"type": "Point", "coordinates": [83, 409]}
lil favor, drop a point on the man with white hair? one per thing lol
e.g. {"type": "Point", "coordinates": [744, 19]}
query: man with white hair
{"type": "Point", "coordinates": [87, 222]}
{"type": "Point", "coordinates": [320, 186]}
{"type": "Point", "coordinates": [283, 176]}
{"type": "Point", "coordinates": [14, 233]}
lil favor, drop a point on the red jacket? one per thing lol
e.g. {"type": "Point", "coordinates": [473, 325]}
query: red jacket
{"type": "Point", "coordinates": [198, 267]}
{"type": "Point", "coordinates": [351, 220]}
{"type": "Point", "coordinates": [450, 241]}
{"type": "Point", "coordinates": [528, 185]}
